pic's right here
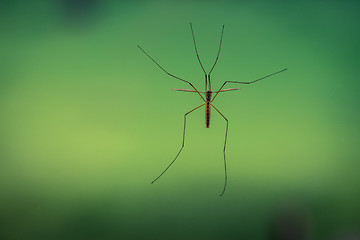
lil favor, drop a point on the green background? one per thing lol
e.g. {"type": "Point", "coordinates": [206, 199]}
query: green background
{"type": "Point", "coordinates": [88, 121]}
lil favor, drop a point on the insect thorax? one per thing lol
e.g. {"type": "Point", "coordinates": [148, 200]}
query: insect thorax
{"type": "Point", "coordinates": [208, 95]}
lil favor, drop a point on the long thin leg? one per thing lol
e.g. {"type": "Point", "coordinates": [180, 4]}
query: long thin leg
{"type": "Point", "coordinates": [217, 92]}
{"type": "Point", "coordinates": [206, 83]}
{"type": "Point", "coordinates": [192, 32]}
{"type": "Point", "coordinates": [182, 146]}
{"type": "Point", "coordinates": [222, 32]}
{"type": "Point", "coordinates": [197, 55]}
{"type": "Point", "coordinates": [227, 125]}
{"type": "Point", "coordinates": [171, 74]}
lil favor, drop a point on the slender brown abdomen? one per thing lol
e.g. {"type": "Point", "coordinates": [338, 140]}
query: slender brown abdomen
{"type": "Point", "coordinates": [207, 114]}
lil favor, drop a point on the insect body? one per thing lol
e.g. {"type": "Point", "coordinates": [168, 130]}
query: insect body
{"type": "Point", "coordinates": [208, 99]}
{"type": "Point", "coordinates": [207, 108]}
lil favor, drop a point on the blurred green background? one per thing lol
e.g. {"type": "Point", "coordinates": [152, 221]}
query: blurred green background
{"type": "Point", "coordinates": [88, 121]}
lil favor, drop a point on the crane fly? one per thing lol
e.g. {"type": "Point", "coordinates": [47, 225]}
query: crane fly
{"type": "Point", "coordinates": [207, 97]}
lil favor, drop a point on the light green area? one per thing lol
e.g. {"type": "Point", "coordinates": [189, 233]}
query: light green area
{"type": "Point", "coordinates": [88, 121]}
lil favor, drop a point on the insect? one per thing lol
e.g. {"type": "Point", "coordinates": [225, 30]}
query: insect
{"type": "Point", "coordinates": [208, 99]}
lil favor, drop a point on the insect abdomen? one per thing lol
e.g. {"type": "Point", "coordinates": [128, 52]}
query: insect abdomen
{"type": "Point", "coordinates": [207, 115]}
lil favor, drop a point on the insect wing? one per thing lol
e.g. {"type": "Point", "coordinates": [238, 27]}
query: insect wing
{"type": "Point", "coordinates": [184, 90]}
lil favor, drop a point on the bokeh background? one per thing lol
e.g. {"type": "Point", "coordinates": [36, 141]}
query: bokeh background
{"type": "Point", "coordinates": [88, 121]}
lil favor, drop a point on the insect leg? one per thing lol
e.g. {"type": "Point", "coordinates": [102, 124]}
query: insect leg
{"type": "Point", "coordinates": [227, 125]}
{"type": "Point", "coordinates": [246, 82]}
{"type": "Point", "coordinates": [182, 146]}
{"type": "Point", "coordinates": [217, 57]}
{"type": "Point", "coordinates": [197, 55]}
{"type": "Point", "coordinates": [192, 32]}
{"type": "Point", "coordinates": [170, 73]}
